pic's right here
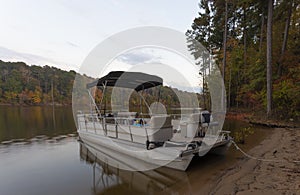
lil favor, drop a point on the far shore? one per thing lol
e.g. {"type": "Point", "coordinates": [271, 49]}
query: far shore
{"type": "Point", "coordinates": [242, 115]}
{"type": "Point", "coordinates": [33, 105]}
{"type": "Point", "coordinates": [257, 119]}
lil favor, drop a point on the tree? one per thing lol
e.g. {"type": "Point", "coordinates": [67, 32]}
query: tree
{"type": "Point", "coordinates": [269, 57]}
{"type": "Point", "coordinates": [251, 51]}
{"type": "Point", "coordinates": [224, 50]}
{"type": "Point", "coordinates": [289, 5]}
{"type": "Point", "coordinates": [225, 38]}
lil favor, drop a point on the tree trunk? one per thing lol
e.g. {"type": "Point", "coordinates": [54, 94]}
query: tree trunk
{"type": "Point", "coordinates": [261, 31]}
{"type": "Point", "coordinates": [225, 40]}
{"type": "Point", "coordinates": [285, 36]}
{"type": "Point", "coordinates": [224, 53]}
{"type": "Point", "coordinates": [245, 38]}
{"type": "Point", "coordinates": [269, 58]}
{"type": "Point", "coordinates": [229, 90]}
{"type": "Point", "coordinates": [53, 108]}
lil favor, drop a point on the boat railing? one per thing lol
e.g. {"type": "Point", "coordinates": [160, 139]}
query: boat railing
{"type": "Point", "coordinates": [112, 125]}
{"type": "Point", "coordinates": [104, 121]}
{"type": "Point", "coordinates": [155, 129]}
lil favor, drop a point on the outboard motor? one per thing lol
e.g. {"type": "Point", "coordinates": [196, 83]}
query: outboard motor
{"type": "Point", "coordinates": [205, 117]}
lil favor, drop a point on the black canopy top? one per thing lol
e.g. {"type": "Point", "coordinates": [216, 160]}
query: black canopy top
{"type": "Point", "coordinates": [133, 80]}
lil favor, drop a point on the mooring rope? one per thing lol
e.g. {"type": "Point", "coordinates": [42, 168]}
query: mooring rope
{"type": "Point", "coordinates": [261, 159]}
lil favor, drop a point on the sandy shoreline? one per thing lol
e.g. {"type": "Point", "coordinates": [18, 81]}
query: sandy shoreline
{"type": "Point", "coordinates": [249, 176]}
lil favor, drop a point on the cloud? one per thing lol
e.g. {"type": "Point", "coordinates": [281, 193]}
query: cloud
{"type": "Point", "coordinates": [72, 44]}
{"type": "Point", "coordinates": [192, 89]}
{"type": "Point", "coordinates": [31, 59]}
{"type": "Point", "coordinates": [138, 57]}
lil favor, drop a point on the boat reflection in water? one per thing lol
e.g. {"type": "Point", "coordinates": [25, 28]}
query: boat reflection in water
{"type": "Point", "coordinates": [109, 179]}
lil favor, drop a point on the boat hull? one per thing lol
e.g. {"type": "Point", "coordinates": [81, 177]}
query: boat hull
{"type": "Point", "coordinates": [134, 156]}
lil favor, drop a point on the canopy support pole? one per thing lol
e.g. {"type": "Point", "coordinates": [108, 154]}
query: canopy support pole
{"type": "Point", "coordinates": [142, 97]}
{"type": "Point", "coordinates": [103, 94]}
{"type": "Point", "coordinates": [93, 101]}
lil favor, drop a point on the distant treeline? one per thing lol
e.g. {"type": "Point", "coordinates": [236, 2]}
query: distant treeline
{"type": "Point", "coordinates": [21, 84]}
{"type": "Point", "coordinates": [34, 85]}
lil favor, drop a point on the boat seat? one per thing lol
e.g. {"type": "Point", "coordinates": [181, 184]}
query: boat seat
{"type": "Point", "coordinates": [160, 121]}
{"type": "Point", "coordinates": [160, 128]}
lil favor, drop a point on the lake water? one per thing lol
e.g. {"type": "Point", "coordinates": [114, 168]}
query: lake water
{"type": "Point", "coordinates": [40, 154]}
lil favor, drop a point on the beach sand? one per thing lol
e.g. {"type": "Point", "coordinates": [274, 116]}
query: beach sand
{"type": "Point", "coordinates": [279, 175]}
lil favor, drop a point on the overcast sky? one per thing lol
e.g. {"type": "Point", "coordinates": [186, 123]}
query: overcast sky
{"type": "Point", "coordinates": [61, 33]}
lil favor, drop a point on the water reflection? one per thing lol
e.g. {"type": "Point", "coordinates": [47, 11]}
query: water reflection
{"type": "Point", "coordinates": [111, 180]}
{"type": "Point", "coordinates": [197, 179]}
{"type": "Point", "coordinates": [38, 157]}
{"type": "Point", "coordinates": [27, 122]}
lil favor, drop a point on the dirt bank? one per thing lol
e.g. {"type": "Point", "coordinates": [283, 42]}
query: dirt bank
{"type": "Point", "coordinates": [280, 175]}
{"type": "Point", "coordinates": [261, 119]}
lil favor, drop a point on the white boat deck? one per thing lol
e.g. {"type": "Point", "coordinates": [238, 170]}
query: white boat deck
{"type": "Point", "coordinates": [125, 130]}
{"type": "Point", "coordinates": [130, 139]}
